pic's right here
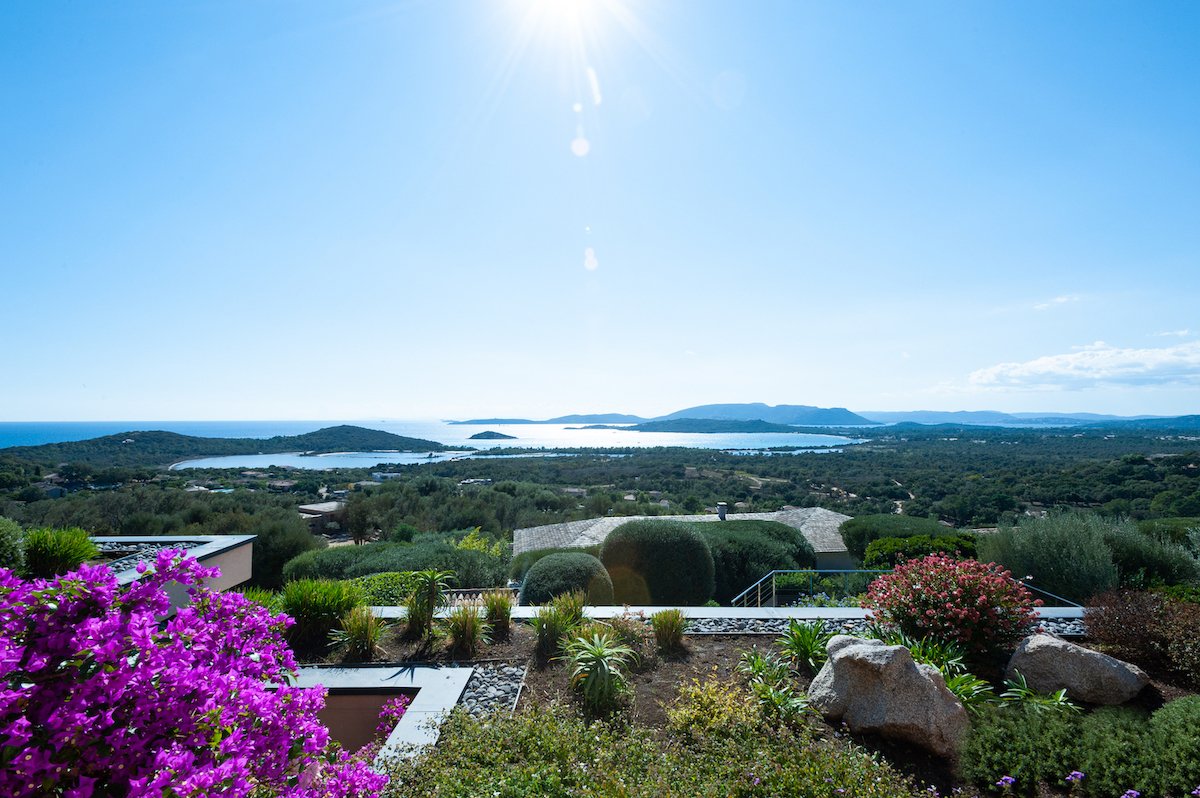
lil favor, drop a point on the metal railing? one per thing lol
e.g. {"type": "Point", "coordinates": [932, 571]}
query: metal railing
{"type": "Point", "coordinates": [766, 592]}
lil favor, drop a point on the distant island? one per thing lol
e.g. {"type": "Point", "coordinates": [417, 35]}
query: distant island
{"type": "Point", "coordinates": [702, 425]}
{"type": "Point", "coordinates": [157, 448]}
{"type": "Point", "coordinates": [806, 415]}
{"type": "Point", "coordinates": [492, 435]}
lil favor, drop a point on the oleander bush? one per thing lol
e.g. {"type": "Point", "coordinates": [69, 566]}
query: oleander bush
{"type": "Point", "coordinates": [564, 573]}
{"type": "Point", "coordinates": [51, 552]}
{"type": "Point", "coordinates": [104, 697]}
{"type": "Point", "coordinates": [658, 562]}
{"type": "Point", "coordinates": [975, 604]}
{"type": "Point", "coordinates": [317, 606]}
{"type": "Point", "coordinates": [886, 553]}
{"type": "Point", "coordinates": [12, 545]}
{"type": "Point", "coordinates": [858, 532]}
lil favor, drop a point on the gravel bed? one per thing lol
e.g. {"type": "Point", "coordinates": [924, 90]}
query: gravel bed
{"type": "Point", "coordinates": [494, 687]}
{"type": "Point", "coordinates": [846, 626]}
{"type": "Point", "coordinates": [128, 555]}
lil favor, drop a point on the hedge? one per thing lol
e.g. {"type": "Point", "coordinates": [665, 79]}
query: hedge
{"type": "Point", "coordinates": [858, 532]}
{"type": "Point", "coordinates": [658, 562]}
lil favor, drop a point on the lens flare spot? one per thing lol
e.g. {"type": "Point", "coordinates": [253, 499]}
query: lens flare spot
{"type": "Point", "coordinates": [580, 146]}
{"type": "Point", "coordinates": [589, 259]}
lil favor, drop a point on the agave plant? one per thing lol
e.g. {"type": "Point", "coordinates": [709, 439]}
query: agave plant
{"type": "Point", "coordinates": [804, 644]}
{"type": "Point", "coordinates": [598, 666]}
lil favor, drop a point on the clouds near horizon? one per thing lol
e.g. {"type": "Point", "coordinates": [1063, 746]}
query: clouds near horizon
{"type": "Point", "coordinates": [1096, 365]}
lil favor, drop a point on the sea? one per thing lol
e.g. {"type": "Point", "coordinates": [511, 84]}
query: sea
{"type": "Point", "coordinates": [533, 437]}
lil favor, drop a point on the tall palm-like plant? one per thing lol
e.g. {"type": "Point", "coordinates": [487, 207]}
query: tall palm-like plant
{"type": "Point", "coordinates": [428, 596]}
{"type": "Point", "coordinates": [598, 669]}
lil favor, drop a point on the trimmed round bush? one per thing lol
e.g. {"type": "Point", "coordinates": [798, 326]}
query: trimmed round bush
{"type": "Point", "coordinates": [659, 562]}
{"type": "Point", "coordinates": [564, 572]}
{"type": "Point", "coordinates": [521, 563]}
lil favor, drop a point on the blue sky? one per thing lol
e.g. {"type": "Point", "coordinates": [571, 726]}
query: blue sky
{"type": "Point", "coordinates": [533, 207]}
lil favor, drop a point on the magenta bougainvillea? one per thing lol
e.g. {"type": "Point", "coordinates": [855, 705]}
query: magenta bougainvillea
{"type": "Point", "coordinates": [101, 697]}
{"type": "Point", "coordinates": [976, 604]}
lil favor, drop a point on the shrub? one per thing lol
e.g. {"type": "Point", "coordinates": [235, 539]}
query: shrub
{"type": "Point", "coordinates": [564, 573]}
{"type": "Point", "coordinates": [1020, 741]}
{"type": "Point", "coordinates": [1170, 530]}
{"type": "Point", "coordinates": [1180, 629]}
{"type": "Point", "coordinates": [1112, 750]}
{"type": "Point", "coordinates": [521, 563]}
{"type": "Point", "coordinates": [669, 626]}
{"type": "Point", "coordinates": [658, 562]}
{"type": "Point", "coordinates": [497, 607]}
{"type": "Point", "coordinates": [465, 629]}
{"type": "Point", "coordinates": [707, 709]}
{"type": "Point", "coordinates": [1173, 737]}
{"type": "Point", "coordinates": [1148, 629]}
{"type": "Point", "coordinates": [742, 558]}
{"type": "Point", "coordinates": [1188, 593]}
{"type": "Point", "coordinates": [886, 553]}
{"type": "Point", "coordinates": [1142, 560]}
{"type": "Point", "coordinates": [472, 569]}
{"type": "Point", "coordinates": [804, 644]}
{"type": "Point", "coordinates": [598, 665]}
{"type": "Point", "coordinates": [974, 693]}
{"type": "Point", "coordinates": [104, 696]}
{"type": "Point", "coordinates": [793, 540]}
{"type": "Point", "coordinates": [12, 547]}
{"type": "Point", "coordinates": [358, 638]}
{"type": "Point", "coordinates": [317, 606]}
{"type": "Point", "coordinates": [551, 624]}
{"type": "Point", "coordinates": [51, 552]}
{"type": "Point", "coordinates": [331, 563]}
{"type": "Point", "coordinates": [1018, 691]}
{"type": "Point", "coordinates": [977, 605]}
{"type": "Point", "coordinates": [261, 596]}
{"type": "Point", "coordinates": [630, 629]}
{"type": "Point", "coordinates": [1065, 553]}
{"type": "Point", "coordinates": [387, 589]}
{"type": "Point", "coordinates": [858, 532]}
{"type": "Point", "coordinates": [280, 536]}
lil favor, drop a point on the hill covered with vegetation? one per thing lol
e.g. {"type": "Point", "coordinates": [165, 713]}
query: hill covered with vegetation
{"type": "Point", "coordinates": [156, 447]}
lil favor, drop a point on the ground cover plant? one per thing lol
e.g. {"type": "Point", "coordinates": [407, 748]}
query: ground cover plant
{"type": "Point", "coordinates": [100, 698]}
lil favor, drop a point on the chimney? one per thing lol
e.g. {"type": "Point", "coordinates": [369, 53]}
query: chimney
{"type": "Point", "coordinates": [722, 508]}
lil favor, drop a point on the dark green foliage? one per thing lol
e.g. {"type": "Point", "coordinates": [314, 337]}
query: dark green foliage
{"type": "Point", "coordinates": [1021, 742]}
{"type": "Point", "coordinates": [1143, 560]}
{"type": "Point", "coordinates": [539, 753]}
{"type": "Point", "coordinates": [12, 547]}
{"type": "Point", "coordinates": [742, 558]}
{"type": "Point", "coordinates": [52, 552]}
{"type": "Point", "coordinates": [857, 533]}
{"type": "Point", "coordinates": [1187, 593]}
{"type": "Point", "coordinates": [386, 589]}
{"type": "Point", "coordinates": [473, 568]}
{"type": "Point", "coordinates": [885, 553]}
{"type": "Point", "coordinates": [521, 563]}
{"type": "Point", "coordinates": [1113, 751]}
{"type": "Point", "coordinates": [317, 607]}
{"type": "Point", "coordinates": [658, 562]}
{"type": "Point", "coordinates": [1065, 553]}
{"type": "Point", "coordinates": [793, 540]}
{"type": "Point", "coordinates": [280, 537]}
{"type": "Point", "coordinates": [1175, 740]}
{"type": "Point", "coordinates": [1170, 530]}
{"type": "Point", "coordinates": [564, 573]}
